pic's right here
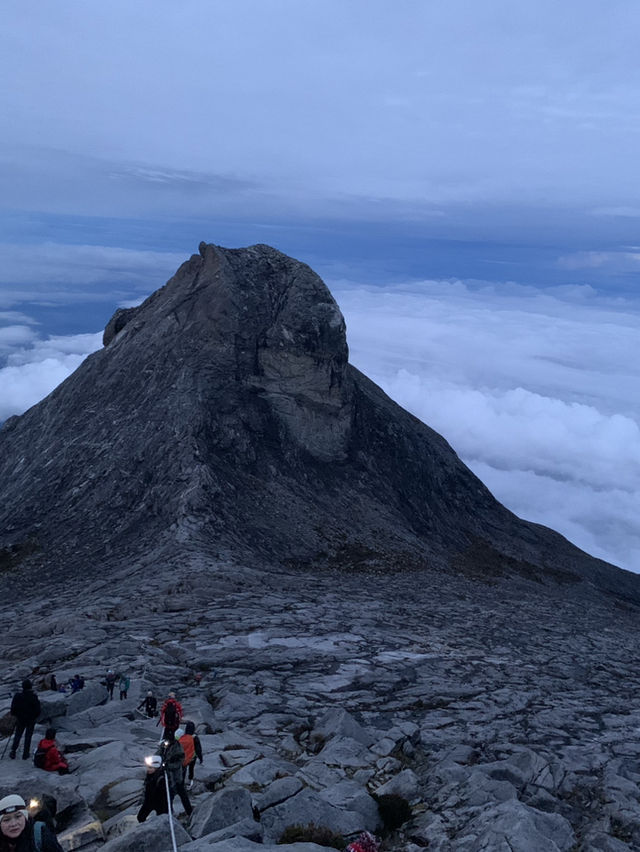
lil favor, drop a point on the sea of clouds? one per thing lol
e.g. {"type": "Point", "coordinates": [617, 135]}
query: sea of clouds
{"type": "Point", "coordinates": [536, 390]}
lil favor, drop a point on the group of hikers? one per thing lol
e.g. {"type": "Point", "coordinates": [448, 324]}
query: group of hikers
{"type": "Point", "coordinates": [170, 770]}
{"type": "Point", "coordinates": [172, 767]}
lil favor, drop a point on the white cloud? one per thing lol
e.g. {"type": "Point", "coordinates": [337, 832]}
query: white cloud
{"type": "Point", "coordinates": [535, 390]}
{"type": "Point", "coordinates": [33, 372]}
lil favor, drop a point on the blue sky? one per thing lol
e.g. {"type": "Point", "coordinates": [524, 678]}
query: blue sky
{"type": "Point", "coordinates": [463, 175]}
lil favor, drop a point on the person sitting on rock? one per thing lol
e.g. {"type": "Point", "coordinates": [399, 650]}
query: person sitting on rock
{"type": "Point", "coordinates": [49, 682]}
{"type": "Point", "coordinates": [52, 760]}
{"type": "Point", "coordinates": [25, 706]}
{"type": "Point", "coordinates": [170, 716]}
{"type": "Point", "coordinates": [192, 748]}
{"type": "Point", "coordinates": [150, 703]}
{"type": "Point", "coordinates": [18, 833]}
{"type": "Point", "coordinates": [125, 683]}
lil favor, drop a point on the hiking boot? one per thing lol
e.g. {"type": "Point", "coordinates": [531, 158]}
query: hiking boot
{"type": "Point", "coordinates": [25, 757]}
{"type": "Point", "coordinates": [12, 755]}
{"type": "Point", "coordinates": [189, 785]}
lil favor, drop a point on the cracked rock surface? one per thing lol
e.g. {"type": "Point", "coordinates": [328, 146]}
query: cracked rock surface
{"type": "Point", "coordinates": [505, 713]}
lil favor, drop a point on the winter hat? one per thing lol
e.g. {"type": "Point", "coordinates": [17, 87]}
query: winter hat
{"type": "Point", "coordinates": [190, 728]}
{"type": "Point", "coordinates": [26, 684]}
{"type": "Point", "coordinates": [13, 804]}
{"type": "Point", "coordinates": [50, 734]}
{"type": "Point", "coordinates": [179, 733]}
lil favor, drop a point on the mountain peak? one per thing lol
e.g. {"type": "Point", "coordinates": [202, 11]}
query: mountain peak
{"type": "Point", "coordinates": [222, 415]}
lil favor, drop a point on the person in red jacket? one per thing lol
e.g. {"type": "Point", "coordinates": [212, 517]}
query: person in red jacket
{"type": "Point", "coordinates": [170, 716]}
{"type": "Point", "coordinates": [53, 760]}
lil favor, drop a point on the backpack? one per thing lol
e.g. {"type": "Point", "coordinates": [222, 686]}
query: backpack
{"type": "Point", "coordinates": [171, 719]}
{"type": "Point", "coordinates": [40, 757]}
{"type": "Point", "coordinates": [37, 834]}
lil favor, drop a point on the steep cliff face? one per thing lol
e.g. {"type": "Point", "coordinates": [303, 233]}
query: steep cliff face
{"type": "Point", "coordinates": [222, 414]}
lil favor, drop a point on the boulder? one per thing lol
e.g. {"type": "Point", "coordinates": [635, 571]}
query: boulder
{"type": "Point", "coordinates": [92, 695]}
{"type": "Point", "coordinates": [307, 807]}
{"type": "Point", "coordinates": [150, 836]}
{"type": "Point", "coordinates": [220, 810]}
{"type": "Point", "coordinates": [339, 723]}
{"type": "Point", "coordinates": [514, 826]}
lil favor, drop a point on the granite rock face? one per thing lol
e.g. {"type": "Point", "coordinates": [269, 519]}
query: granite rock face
{"type": "Point", "coordinates": [222, 415]}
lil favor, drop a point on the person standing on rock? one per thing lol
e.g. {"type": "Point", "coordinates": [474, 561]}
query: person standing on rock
{"type": "Point", "coordinates": [110, 682]}
{"type": "Point", "coordinates": [25, 706]}
{"type": "Point", "coordinates": [150, 703]}
{"type": "Point", "coordinates": [125, 683]}
{"type": "Point", "coordinates": [192, 748]}
{"type": "Point", "coordinates": [170, 716]}
{"type": "Point", "coordinates": [18, 833]}
{"type": "Point", "coordinates": [155, 791]}
{"type": "Point", "coordinates": [172, 756]}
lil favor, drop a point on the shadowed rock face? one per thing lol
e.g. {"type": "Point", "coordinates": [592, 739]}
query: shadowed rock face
{"type": "Point", "coordinates": [222, 415]}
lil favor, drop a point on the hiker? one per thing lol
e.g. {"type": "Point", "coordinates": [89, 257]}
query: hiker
{"type": "Point", "coordinates": [170, 716]}
{"type": "Point", "coordinates": [172, 756]}
{"type": "Point", "coordinates": [49, 682]}
{"type": "Point", "coordinates": [155, 792]}
{"type": "Point", "coordinates": [110, 682]}
{"type": "Point", "coordinates": [150, 704]}
{"type": "Point", "coordinates": [43, 812]}
{"type": "Point", "coordinates": [192, 748]}
{"type": "Point", "coordinates": [48, 756]}
{"type": "Point", "coordinates": [43, 808]}
{"type": "Point", "coordinates": [197, 678]}
{"type": "Point", "coordinates": [365, 842]}
{"type": "Point", "coordinates": [76, 683]}
{"type": "Point", "coordinates": [25, 706]}
{"type": "Point", "coordinates": [18, 833]}
{"type": "Point", "coordinates": [125, 683]}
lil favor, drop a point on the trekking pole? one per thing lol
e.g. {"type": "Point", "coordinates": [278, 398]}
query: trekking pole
{"type": "Point", "coordinates": [170, 806]}
{"type": "Point", "coordinates": [9, 740]}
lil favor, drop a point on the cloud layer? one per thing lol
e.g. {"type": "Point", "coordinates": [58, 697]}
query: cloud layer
{"type": "Point", "coordinates": [535, 390]}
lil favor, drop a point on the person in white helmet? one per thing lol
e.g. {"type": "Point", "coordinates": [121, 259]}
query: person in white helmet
{"type": "Point", "coordinates": [17, 831]}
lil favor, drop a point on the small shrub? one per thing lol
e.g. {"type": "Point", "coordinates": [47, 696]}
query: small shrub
{"type": "Point", "coordinates": [312, 833]}
{"type": "Point", "coordinates": [394, 810]}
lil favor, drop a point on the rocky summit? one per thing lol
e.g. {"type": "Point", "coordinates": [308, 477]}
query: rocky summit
{"type": "Point", "coordinates": [217, 503]}
{"type": "Point", "coordinates": [222, 414]}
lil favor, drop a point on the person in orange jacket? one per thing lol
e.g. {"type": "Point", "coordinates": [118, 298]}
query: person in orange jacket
{"type": "Point", "coordinates": [192, 748]}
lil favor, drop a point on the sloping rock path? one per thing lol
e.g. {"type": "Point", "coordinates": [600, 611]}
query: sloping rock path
{"type": "Point", "coordinates": [505, 712]}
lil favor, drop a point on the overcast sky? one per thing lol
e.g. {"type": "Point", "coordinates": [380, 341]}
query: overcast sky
{"type": "Point", "coordinates": [463, 175]}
